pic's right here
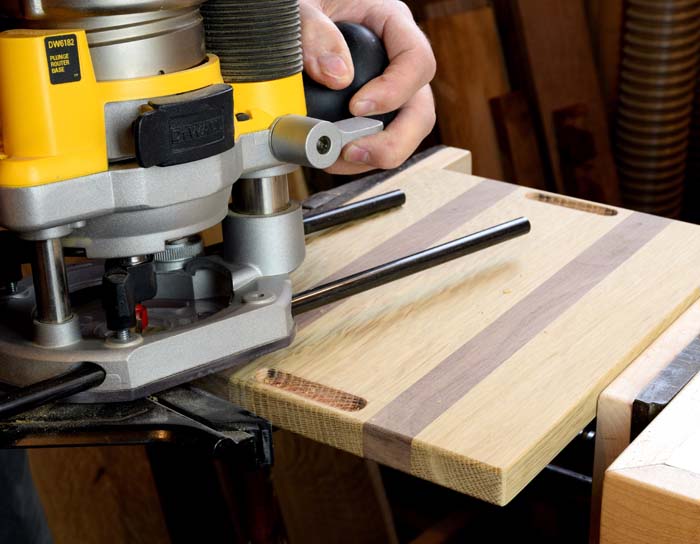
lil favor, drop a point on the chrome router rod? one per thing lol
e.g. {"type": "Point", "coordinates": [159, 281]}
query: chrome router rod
{"type": "Point", "coordinates": [405, 266]}
{"type": "Point", "coordinates": [50, 283]}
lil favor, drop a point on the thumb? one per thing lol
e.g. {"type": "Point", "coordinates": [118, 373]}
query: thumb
{"type": "Point", "coordinates": [327, 58]}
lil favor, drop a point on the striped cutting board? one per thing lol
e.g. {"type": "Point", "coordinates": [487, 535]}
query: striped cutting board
{"type": "Point", "coordinates": [473, 375]}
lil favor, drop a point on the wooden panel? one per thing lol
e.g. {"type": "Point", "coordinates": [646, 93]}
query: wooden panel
{"type": "Point", "coordinates": [99, 495]}
{"type": "Point", "coordinates": [615, 403]}
{"type": "Point", "coordinates": [651, 493]}
{"type": "Point", "coordinates": [476, 374]}
{"type": "Point", "coordinates": [470, 72]}
{"type": "Point", "coordinates": [550, 56]}
{"type": "Point", "coordinates": [328, 495]}
{"type": "Point", "coordinates": [605, 19]}
{"type": "Point", "coordinates": [517, 140]}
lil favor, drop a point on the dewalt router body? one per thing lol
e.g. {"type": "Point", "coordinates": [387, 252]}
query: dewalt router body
{"type": "Point", "coordinates": [122, 138]}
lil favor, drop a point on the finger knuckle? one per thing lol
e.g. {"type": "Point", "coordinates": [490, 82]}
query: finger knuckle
{"type": "Point", "coordinates": [431, 64]}
{"type": "Point", "coordinates": [431, 119]}
{"type": "Point", "coordinates": [391, 93]}
{"type": "Point", "coordinates": [391, 157]}
{"type": "Point", "coordinates": [403, 8]}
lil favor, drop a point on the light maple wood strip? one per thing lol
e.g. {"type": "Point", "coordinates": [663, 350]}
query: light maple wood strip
{"type": "Point", "coordinates": [589, 291]}
{"type": "Point", "coordinates": [614, 413]}
{"type": "Point", "coordinates": [651, 493]}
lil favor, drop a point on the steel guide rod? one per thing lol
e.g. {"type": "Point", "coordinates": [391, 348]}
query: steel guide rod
{"type": "Point", "coordinates": [50, 283]}
{"type": "Point", "coordinates": [406, 266]}
{"type": "Point", "coordinates": [81, 378]}
{"type": "Point", "coordinates": [350, 212]}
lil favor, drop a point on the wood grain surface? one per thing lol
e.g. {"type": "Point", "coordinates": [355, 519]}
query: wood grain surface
{"type": "Point", "coordinates": [651, 493]}
{"type": "Point", "coordinates": [473, 375]}
{"type": "Point", "coordinates": [554, 63]}
{"type": "Point", "coordinates": [605, 20]}
{"type": "Point", "coordinates": [614, 417]}
{"type": "Point", "coordinates": [99, 495]}
{"type": "Point", "coordinates": [470, 71]}
{"type": "Point", "coordinates": [517, 140]}
{"type": "Point", "coordinates": [327, 495]}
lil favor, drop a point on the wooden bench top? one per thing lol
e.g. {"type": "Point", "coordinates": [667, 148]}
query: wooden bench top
{"type": "Point", "coordinates": [473, 375]}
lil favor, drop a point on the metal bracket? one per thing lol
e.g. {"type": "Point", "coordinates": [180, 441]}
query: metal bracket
{"type": "Point", "coordinates": [184, 416]}
{"type": "Point", "coordinates": [664, 387]}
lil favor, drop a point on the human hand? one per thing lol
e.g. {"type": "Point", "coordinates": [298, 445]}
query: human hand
{"type": "Point", "coordinates": [404, 85]}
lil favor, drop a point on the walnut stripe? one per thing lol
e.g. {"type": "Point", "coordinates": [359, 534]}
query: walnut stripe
{"type": "Point", "coordinates": [387, 436]}
{"type": "Point", "coordinates": [420, 235]}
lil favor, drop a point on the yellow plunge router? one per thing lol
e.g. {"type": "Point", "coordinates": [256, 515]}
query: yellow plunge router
{"type": "Point", "coordinates": [126, 130]}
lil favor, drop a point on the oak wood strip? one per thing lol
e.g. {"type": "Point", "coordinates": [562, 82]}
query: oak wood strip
{"type": "Point", "coordinates": [453, 378]}
{"type": "Point", "coordinates": [433, 227]}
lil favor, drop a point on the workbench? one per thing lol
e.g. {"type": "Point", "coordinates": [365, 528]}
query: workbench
{"type": "Point", "coordinates": [473, 375]}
